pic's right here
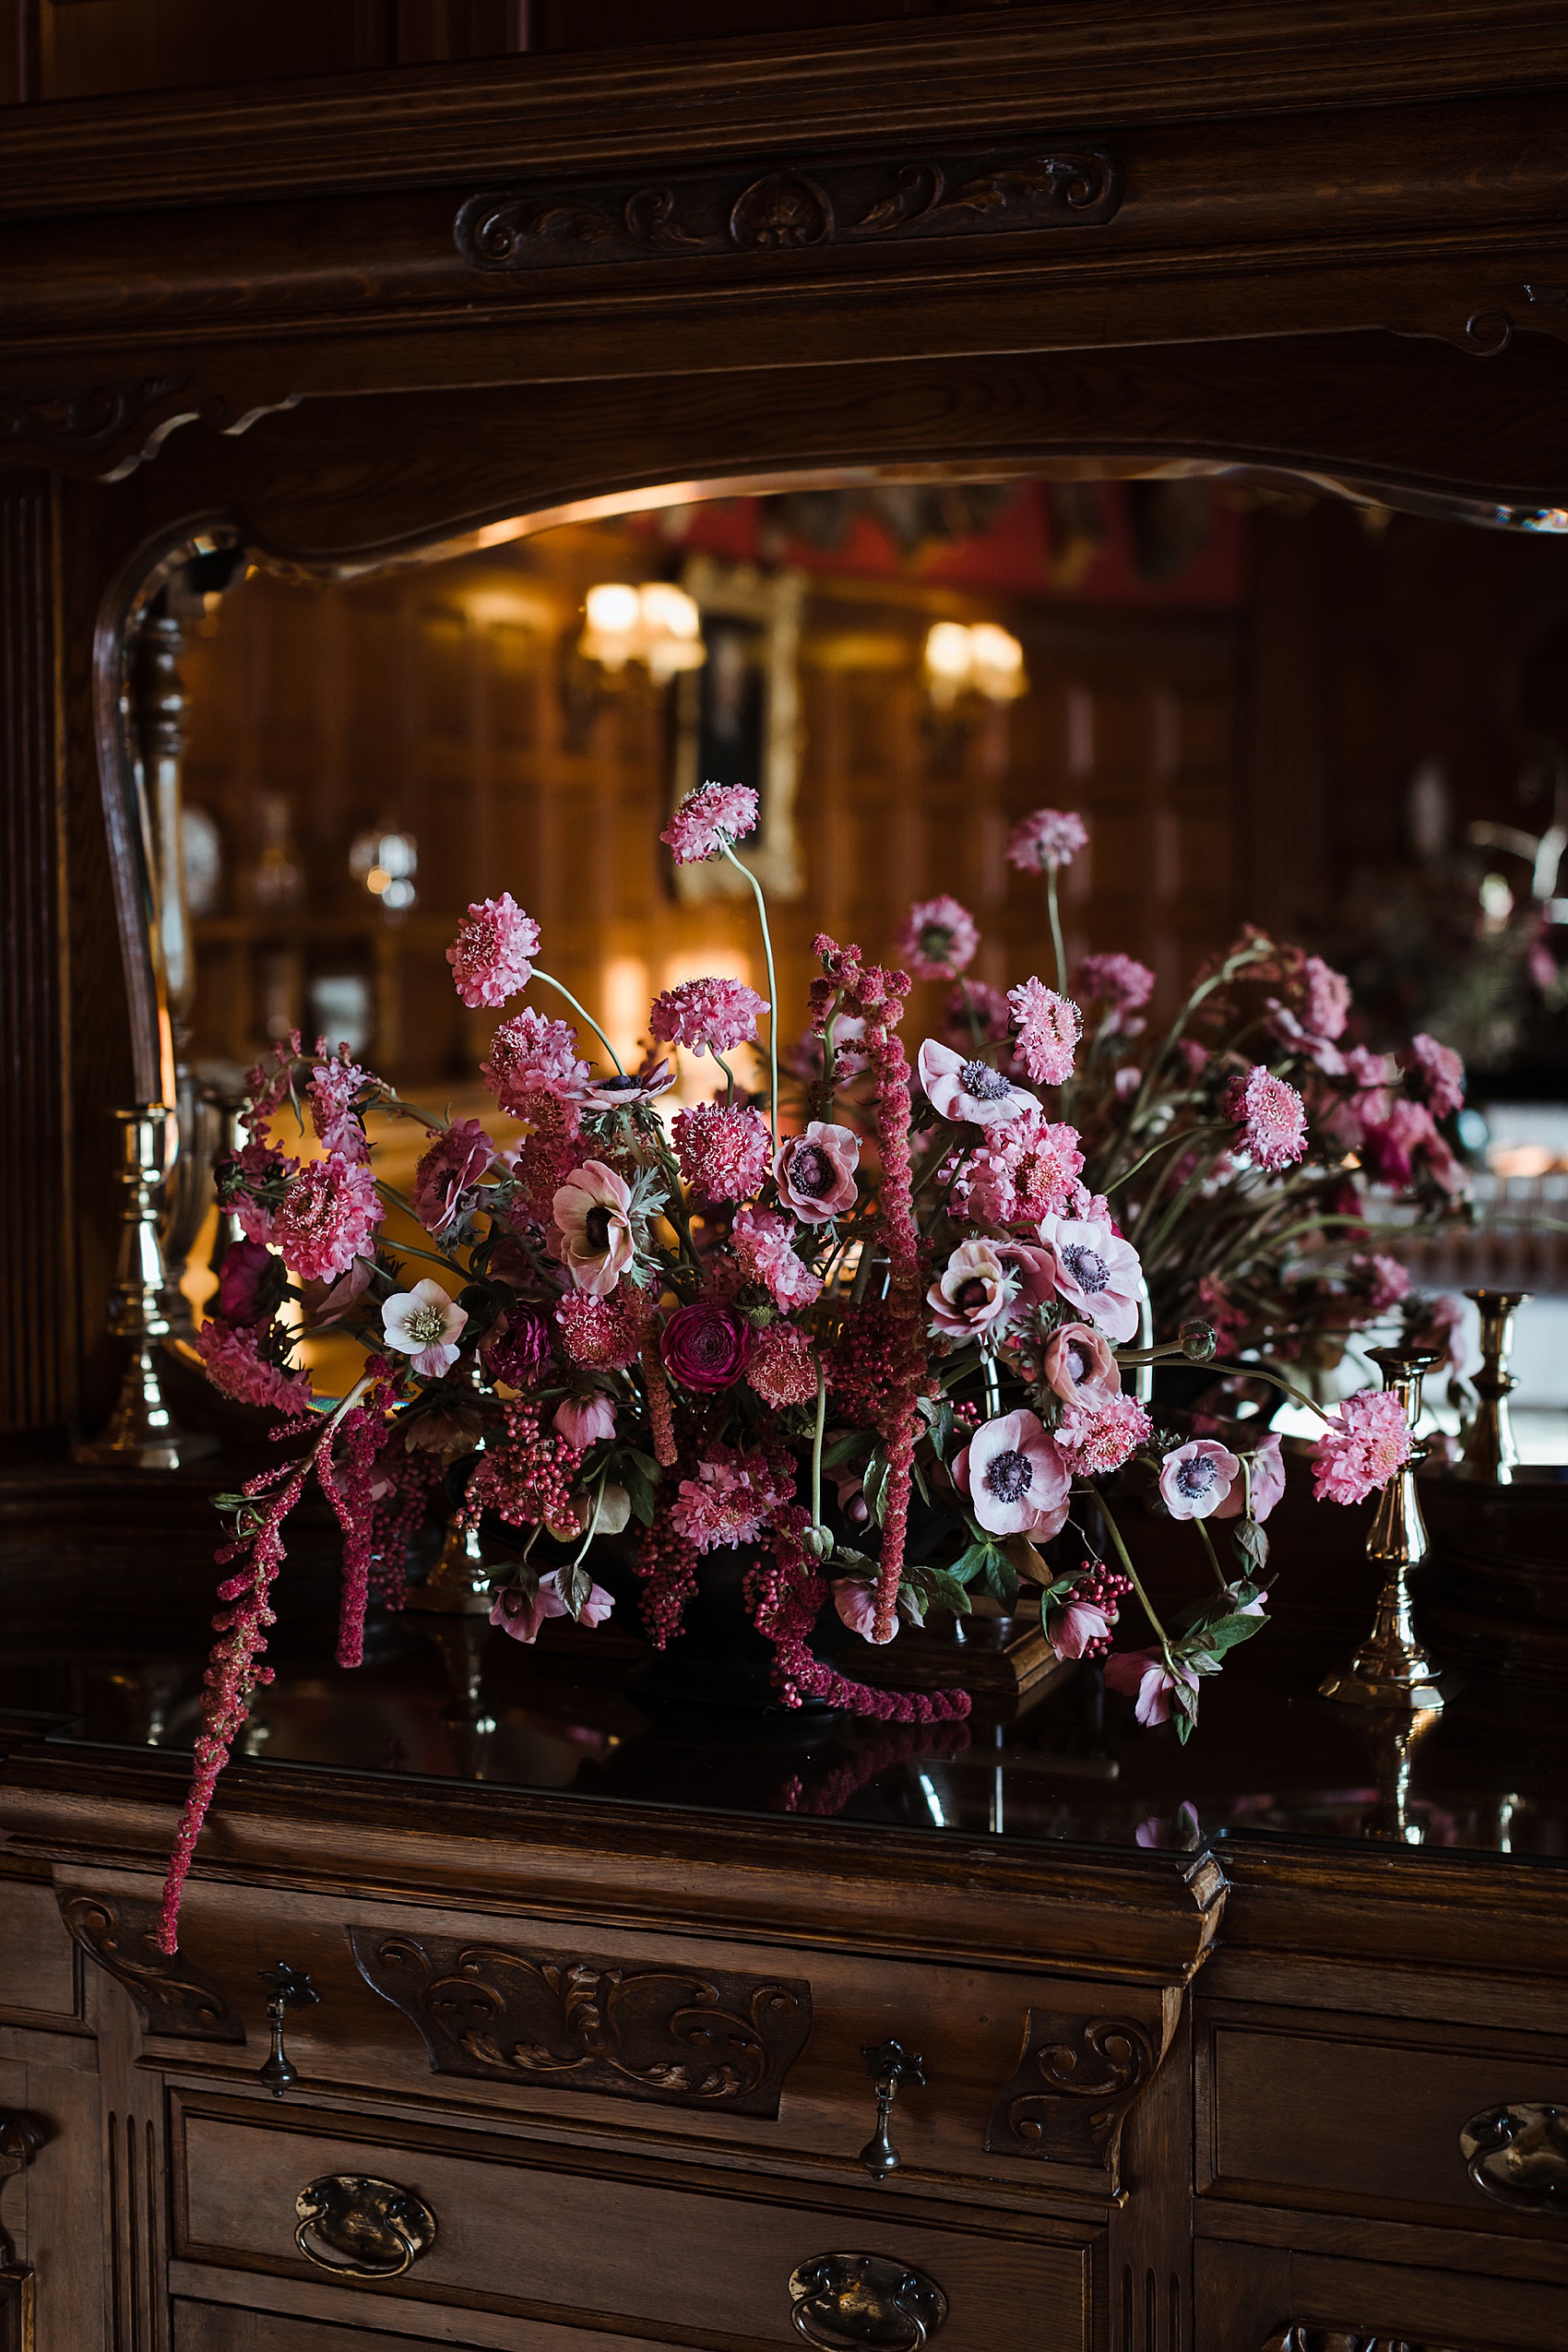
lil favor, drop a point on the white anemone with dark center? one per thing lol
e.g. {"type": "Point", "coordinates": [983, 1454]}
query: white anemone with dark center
{"type": "Point", "coordinates": [986, 1084]}
{"type": "Point", "coordinates": [1085, 1266]}
{"type": "Point", "coordinates": [1195, 1476]}
{"type": "Point", "coordinates": [1009, 1476]}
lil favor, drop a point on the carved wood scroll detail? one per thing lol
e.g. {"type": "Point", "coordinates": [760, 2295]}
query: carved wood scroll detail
{"type": "Point", "coordinates": [1076, 2080]}
{"type": "Point", "coordinates": [119, 1933]}
{"type": "Point", "coordinates": [707, 2039]}
{"type": "Point", "coordinates": [78, 420]}
{"type": "Point", "coordinates": [846, 201]}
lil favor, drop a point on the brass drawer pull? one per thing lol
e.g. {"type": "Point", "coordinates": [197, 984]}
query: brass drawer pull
{"type": "Point", "coordinates": [1518, 2155]}
{"type": "Point", "coordinates": [840, 2300]}
{"type": "Point", "coordinates": [370, 2228]}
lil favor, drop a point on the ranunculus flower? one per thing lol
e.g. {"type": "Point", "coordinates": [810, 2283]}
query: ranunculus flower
{"type": "Point", "coordinates": [489, 955]}
{"type": "Point", "coordinates": [423, 1323]}
{"type": "Point", "coordinates": [815, 1171]}
{"type": "Point", "coordinates": [970, 1089]}
{"type": "Point", "coordinates": [582, 1420]}
{"type": "Point", "coordinates": [447, 1176]}
{"type": "Point", "coordinates": [1266, 1465]}
{"type": "Point", "coordinates": [251, 1281]}
{"type": "Point", "coordinates": [974, 1291]}
{"type": "Point", "coordinates": [706, 1346]}
{"type": "Point", "coordinates": [1015, 1476]}
{"type": "Point", "coordinates": [1142, 1675]}
{"type": "Point", "coordinates": [1079, 1366]}
{"type": "Point", "coordinates": [590, 1230]}
{"type": "Point", "coordinates": [1196, 1478]}
{"type": "Point", "coordinates": [519, 1353]}
{"type": "Point", "coordinates": [1097, 1272]}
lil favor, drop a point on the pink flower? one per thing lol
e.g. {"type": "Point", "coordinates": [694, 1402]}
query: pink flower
{"type": "Point", "coordinates": [446, 1178]}
{"type": "Point", "coordinates": [1366, 1441]}
{"type": "Point", "coordinates": [815, 1171]}
{"type": "Point", "coordinates": [939, 940]}
{"type": "Point", "coordinates": [730, 1499]}
{"type": "Point", "coordinates": [489, 955]}
{"type": "Point", "coordinates": [973, 1293]}
{"type": "Point", "coordinates": [602, 1334]}
{"type": "Point", "coordinates": [1048, 839]}
{"type": "Point", "coordinates": [423, 1323]}
{"type": "Point", "coordinates": [251, 1183]}
{"type": "Point", "coordinates": [235, 1366]}
{"type": "Point", "coordinates": [1021, 1172]}
{"type": "Point", "coordinates": [328, 1302]}
{"type": "Point", "coordinates": [1033, 1269]}
{"type": "Point", "coordinates": [1097, 1272]}
{"type": "Point", "coordinates": [711, 820]}
{"type": "Point", "coordinates": [1096, 1439]}
{"type": "Point", "coordinates": [706, 1346]}
{"type": "Point", "coordinates": [709, 1015]}
{"type": "Point", "coordinates": [531, 1051]}
{"type": "Point", "coordinates": [1392, 1144]}
{"type": "Point", "coordinates": [1265, 1485]}
{"type": "Point", "coordinates": [762, 1242]}
{"type": "Point", "coordinates": [624, 1088]}
{"type": "Point", "coordinates": [1388, 1281]}
{"type": "Point", "coordinates": [1442, 1328]}
{"type": "Point", "coordinates": [518, 1351]}
{"type": "Point", "coordinates": [522, 1614]}
{"type": "Point", "coordinates": [1015, 1476]}
{"type": "Point", "coordinates": [855, 1599]}
{"type": "Point", "coordinates": [328, 1219]}
{"type": "Point", "coordinates": [332, 1094]}
{"type": "Point", "coordinates": [1271, 1116]}
{"type": "Point", "coordinates": [1079, 1366]}
{"type": "Point", "coordinates": [1443, 1073]}
{"type": "Point", "coordinates": [1196, 1478]}
{"type": "Point", "coordinates": [583, 1420]}
{"type": "Point", "coordinates": [725, 1153]}
{"type": "Point", "coordinates": [590, 1230]}
{"type": "Point", "coordinates": [781, 1367]}
{"type": "Point", "coordinates": [1328, 998]}
{"type": "Point", "coordinates": [974, 1002]}
{"type": "Point", "coordinates": [251, 1282]}
{"type": "Point", "coordinates": [1049, 1027]}
{"type": "Point", "coordinates": [1080, 1627]}
{"type": "Point", "coordinates": [1142, 1674]}
{"type": "Point", "coordinates": [1119, 982]}
{"type": "Point", "coordinates": [969, 1090]}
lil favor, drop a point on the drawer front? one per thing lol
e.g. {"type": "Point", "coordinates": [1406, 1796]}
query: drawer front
{"type": "Point", "coordinates": [624, 2252]}
{"type": "Point", "coordinates": [1376, 2126]}
{"type": "Point", "coordinates": [37, 1972]}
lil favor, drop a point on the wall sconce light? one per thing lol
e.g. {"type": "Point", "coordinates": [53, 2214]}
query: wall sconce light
{"type": "Point", "coordinates": [655, 624]}
{"type": "Point", "coordinates": [385, 864]}
{"type": "Point", "coordinates": [975, 658]}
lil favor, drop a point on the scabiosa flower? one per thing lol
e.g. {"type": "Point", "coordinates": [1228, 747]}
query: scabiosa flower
{"type": "Point", "coordinates": [333, 1095]}
{"type": "Point", "coordinates": [1142, 1675]}
{"type": "Point", "coordinates": [1442, 1071]}
{"type": "Point", "coordinates": [591, 1228]}
{"type": "Point", "coordinates": [762, 1247]}
{"type": "Point", "coordinates": [1096, 1438]}
{"type": "Point", "coordinates": [1119, 982]}
{"type": "Point", "coordinates": [973, 1293]}
{"type": "Point", "coordinates": [236, 1368]}
{"type": "Point", "coordinates": [1049, 1027]}
{"type": "Point", "coordinates": [939, 940]}
{"type": "Point", "coordinates": [730, 1499]}
{"type": "Point", "coordinates": [709, 820]}
{"type": "Point", "coordinates": [1264, 1483]}
{"type": "Point", "coordinates": [424, 1324]}
{"type": "Point", "coordinates": [1327, 1007]}
{"type": "Point", "coordinates": [447, 1179]}
{"type": "Point", "coordinates": [1366, 1441]}
{"type": "Point", "coordinates": [1047, 840]}
{"type": "Point", "coordinates": [602, 1334]}
{"type": "Point", "coordinates": [709, 1015]}
{"type": "Point", "coordinates": [1196, 1478]}
{"type": "Point", "coordinates": [781, 1367]}
{"type": "Point", "coordinates": [489, 955]}
{"type": "Point", "coordinates": [815, 1171]}
{"type": "Point", "coordinates": [725, 1152]}
{"type": "Point", "coordinates": [1079, 1366]}
{"type": "Point", "coordinates": [1385, 1280]}
{"type": "Point", "coordinates": [529, 1051]}
{"type": "Point", "coordinates": [328, 1217]}
{"type": "Point", "coordinates": [1021, 1172]}
{"type": "Point", "coordinates": [250, 1183]}
{"type": "Point", "coordinates": [969, 1090]}
{"type": "Point", "coordinates": [1015, 1476]}
{"type": "Point", "coordinates": [1271, 1117]}
{"type": "Point", "coordinates": [706, 1345]}
{"type": "Point", "coordinates": [1097, 1272]}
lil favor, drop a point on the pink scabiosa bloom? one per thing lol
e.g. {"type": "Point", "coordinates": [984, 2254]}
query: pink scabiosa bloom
{"type": "Point", "coordinates": [424, 1325]}
{"type": "Point", "coordinates": [1015, 1476]}
{"type": "Point", "coordinates": [707, 1015]}
{"type": "Point", "coordinates": [236, 1368]}
{"type": "Point", "coordinates": [1119, 982]}
{"type": "Point", "coordinates": [1387, 1281]}
{"type": "Point", "coordinates": [1196, 1478]}
{"type": "Point", "coordinates": [974, 1292]}
{"type": "Point", "coordinates": [971, 1089]}
{"type": "Point", "coordinates": [711, 820]}
{"type": "Point", "coordinates": [251, 1184]}
{"type": "Point", "coordinates": [1097, 1272]}
{"type": "Point", "coordinates": [1021, 1172]}
{"type": "Point", "coordinates": [1264, 1483]}
{"type": "Point", "coordinates": [602, 1334]}
{"type": "Point", "coordinates": [528, 1051]}
{"type": "Point", "coordinates": [764, 1249]}
{"type": "Point", "coordinates": [1271, 1117]}
{"type": "Point", "coordinates": [725, 1151]}
{"type": "Point", "coordinates": [591, 1230]}
{"type": "Point", "coordinates": [446, 1179]}
{"type": "Point", "coordinates": [583, 1420]}
{"type": "Point", "coordinates": [1079, 1366]}
{"type": "Point", "coordinates": [815, 1171]}
{"type": "Point", "coordinates": [1442, 1072]}
{"type": "Point", "coordinates": [624, 1088]}
{"type": "Point", "coordinates": [333, 1093]}
{"type": "Point", "coordinates": [1328, 999]}
{"type": "Point", "coordinates": [1142, 1675]}
{"type": "Point", "coordinates": [1047, 840]}
{"type": "Point", "coordinates": [707, 1346]}
{"type": "Point", "coordinates": [732, 1499]}
{"type": "Point", "coordinates": [490, 957]}
{"type": "Point", "coordinates": [1366, 1441]}
{"type": "Point", "coordinates": [781, 1367]}
{"type": "Point", "coordinates": [939, 940]}
{"type": "Point", "coordinates": [1049, 1027]}
{"type": "Point", "coordinates": [1096, 1439]}
{"type": "Point", "coordinates": [328, 1217]}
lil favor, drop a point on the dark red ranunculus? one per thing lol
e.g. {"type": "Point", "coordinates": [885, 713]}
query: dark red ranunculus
{"type": "Point", "coordinates": [251, 1281]}
{"type": "Point", "coordinates": [706, 1346]}
{"type": "Point", "coordinates": [519, 1353]}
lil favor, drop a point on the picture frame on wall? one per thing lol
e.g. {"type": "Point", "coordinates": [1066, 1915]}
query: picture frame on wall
{"type": "Point", "coordinates": [738, 720]}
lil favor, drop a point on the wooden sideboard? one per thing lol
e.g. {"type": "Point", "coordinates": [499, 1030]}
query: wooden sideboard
{"type": "Point", "coordinates": [1203, 2032]}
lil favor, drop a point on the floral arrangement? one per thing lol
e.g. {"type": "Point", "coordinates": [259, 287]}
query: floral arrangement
{"type": "Point", "coordinates": [877, 1337]}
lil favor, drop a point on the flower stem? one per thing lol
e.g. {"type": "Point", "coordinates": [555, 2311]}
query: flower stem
{"type": "Point", "coordinates": [1213, 1555]}
{"type": "Point", "coordinates": [581, 1010]}
{"type": "Point", "coordinates": [728, 1074]}
{"type": "Point", "coordinates": [1125, 1557]}
{"type": "Point", "coordinates": [1058, 944]}
{"type": "Point", "coordinates": [816, 1444]}
{"type": "Point", "coordinates": [772, 990]}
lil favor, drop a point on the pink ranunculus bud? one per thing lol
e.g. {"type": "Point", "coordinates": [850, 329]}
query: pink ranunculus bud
{"type": "Point", "coordinates": [251, 1282]}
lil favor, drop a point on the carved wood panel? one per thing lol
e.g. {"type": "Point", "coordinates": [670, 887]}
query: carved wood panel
{"type": "Point", "coordinates": [173, 1995]}
{"type": "Point", "coordinates": [1075, 2081]}
{"type": "Point", "coordinates": [706, 2038]}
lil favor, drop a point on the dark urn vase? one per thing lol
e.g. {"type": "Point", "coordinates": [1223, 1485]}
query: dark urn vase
{"type": "Point", "coordinates": [719, 1660]}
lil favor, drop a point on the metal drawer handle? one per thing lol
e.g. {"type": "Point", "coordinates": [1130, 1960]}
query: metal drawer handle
{"type": "Point", "coordinates": [1518, 2155]}
{"type": "Point", "coordinates": [840, 2300]}
{"type": "Point", "coordinates": [370, 2228]}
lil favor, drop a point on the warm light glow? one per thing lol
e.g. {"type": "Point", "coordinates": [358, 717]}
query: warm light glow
{"type": "Point", "coordinates": [947, 651]}
{"type": "Point", "coordinates": [626, 1000]}
{"type": "Point", "coordinates": [658, 625]}
{"type": "Point", "coordinates": [613, 608]}
{"type": "Point", "coordinates": [973, 658]}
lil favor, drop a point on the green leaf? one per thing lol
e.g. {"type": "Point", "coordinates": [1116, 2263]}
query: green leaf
{"type": "Point", "coordinates": [1252, 1543]}
{"type": "Point", "coordinates": [842, 1447]}
{"type": "Point", "coordinates": [1001, 1579]}
{"type": "Point", "coordinates": [573, 1584]}
{"type": "Point", "coordinates": [873, 1482]}
{"type": "Point", "coordinates": [936, 1587]}
{"type": "Point", "coordinates": [651, 1469]}
{"type": "Point", "coordinates": [971, 1563]}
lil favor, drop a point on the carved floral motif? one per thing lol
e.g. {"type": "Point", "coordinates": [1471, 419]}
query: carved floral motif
{"type": "Point", "coordinates": [1075, 2081]}
{"type": "Point", "coordinates": [78, 420]}
{"type": "Point", "coordinates": [119, 1933]}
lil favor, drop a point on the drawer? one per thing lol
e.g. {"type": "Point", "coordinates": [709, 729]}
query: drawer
{"type": "Point", "coordinates": [38, 1978]}
{"type": "Point", "coordinates": [613, 2249]}
{"type": "Point", "coordinates": [1342, 2119]}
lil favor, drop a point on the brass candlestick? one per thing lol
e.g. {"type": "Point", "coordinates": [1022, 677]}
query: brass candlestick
{"type": "Point", "coordinates": [459, 1581]}
{"type": "Point", "coordinates": [1491, 1455]}
{"type": "Point", "coordinates": [1390, 1670]}
{"type": "Point", "coordinates": [142, 1433]}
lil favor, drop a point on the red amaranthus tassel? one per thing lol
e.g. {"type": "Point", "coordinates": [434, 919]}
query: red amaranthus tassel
{"type": "Point", "coordinates": [785, 1600]}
